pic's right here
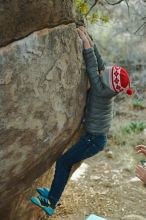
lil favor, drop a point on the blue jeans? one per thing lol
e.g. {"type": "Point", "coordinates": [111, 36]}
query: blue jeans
{"type": "Point", "coordinates": [87, 146]}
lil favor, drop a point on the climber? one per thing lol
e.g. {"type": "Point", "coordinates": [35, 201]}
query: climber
{"type": "Point", "coordinates": [105, 83]}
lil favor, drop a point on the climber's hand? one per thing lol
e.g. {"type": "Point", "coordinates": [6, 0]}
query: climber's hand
{"type": "Point", "coordinates": [141, 173]}
{"type": "Point", "coordinates": [82, 35]}
{"type": "Point", "coordinates": [82, 28]}
{"type": "Point", "coordinates": [141, 149]}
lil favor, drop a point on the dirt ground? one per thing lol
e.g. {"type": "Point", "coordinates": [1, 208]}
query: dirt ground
{"type": "Point", "coordinates": [109, 187]}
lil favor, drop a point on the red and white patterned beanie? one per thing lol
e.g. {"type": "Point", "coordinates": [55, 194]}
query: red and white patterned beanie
{"type": "Point", "coordinates": [117, 79]}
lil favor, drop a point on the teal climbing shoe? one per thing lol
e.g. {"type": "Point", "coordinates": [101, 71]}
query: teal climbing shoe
{"type": "Point", "coordinates": [43, 192]}
{"type": "Point", "coordinates": [49, 211]}
{"type": "Point", "coordinates": [43, 200]}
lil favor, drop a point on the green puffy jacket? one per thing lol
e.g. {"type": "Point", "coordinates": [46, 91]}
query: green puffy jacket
{"type": "Point", "coordinates": [98, 113]}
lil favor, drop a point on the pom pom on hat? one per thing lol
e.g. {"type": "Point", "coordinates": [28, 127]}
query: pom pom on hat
{"type": "Point", "coordinates": [129, 91]}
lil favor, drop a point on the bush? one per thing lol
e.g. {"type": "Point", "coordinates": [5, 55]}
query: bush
{"type": "Point", "coordinates": [134, 127]}
{"type": "Point", "coordinates": [127, 133]}
{"type": "Point", "coordinates": [138, 104]}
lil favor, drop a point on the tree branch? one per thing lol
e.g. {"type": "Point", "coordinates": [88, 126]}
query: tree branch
{"type": "Point", "coordinates": [140, 27]}
{"type": "Point", "coordinates": [127, 7]}
{"type": "Point", "coordinates": [115, 3]}
{"type": "Point", "coordinates": [91, 7]}
{"type": "Point", "coordinates": [118, 2]}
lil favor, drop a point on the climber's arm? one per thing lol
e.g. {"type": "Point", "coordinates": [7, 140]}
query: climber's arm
{"type": "Point", "coordinates": [100, 62]}
{"type": "Point", "coordinates": [101, 65]}
{"type": "Point", "coordinates": [90, 60]}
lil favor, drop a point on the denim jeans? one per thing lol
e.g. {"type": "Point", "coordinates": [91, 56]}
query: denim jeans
{"type": "Point", "coordinates": [87, 146]}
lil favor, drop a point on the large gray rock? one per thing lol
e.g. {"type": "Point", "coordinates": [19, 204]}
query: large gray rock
{"type": "Point", "coordinates": [20, 18]}
{"type": "Point", "coordinates": [42, 97]}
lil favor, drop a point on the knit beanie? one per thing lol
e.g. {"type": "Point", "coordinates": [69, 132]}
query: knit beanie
{"type": "Point", "coordinates": [117, 79]}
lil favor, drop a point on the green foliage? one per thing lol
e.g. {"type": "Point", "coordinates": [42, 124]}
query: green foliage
{"type": "Point", "coordinates": [138, 104]}
{"type": "Point", "coordinates": [82, 7]}
{"type": "Point", "coordinates": [97, 16]}
{"type": "Point", "coordinates": [105, 18]}
{"type": "Point", "coordinates": [134, 127]}
{"type": "Point", "coordinates": [128, 133]}
{"type": "Point", "coordinates": [94, 16]}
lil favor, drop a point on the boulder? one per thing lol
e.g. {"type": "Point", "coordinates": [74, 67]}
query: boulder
{"type": "Point", "coordinates": [20, 18]}
{"type": "Point", "coordinates": [42, 99]}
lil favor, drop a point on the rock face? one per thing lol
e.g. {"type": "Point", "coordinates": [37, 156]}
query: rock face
{"type": "Point", "coordinates": [42, 94]}
{"type": "Point", "coordinates": [20, 18]}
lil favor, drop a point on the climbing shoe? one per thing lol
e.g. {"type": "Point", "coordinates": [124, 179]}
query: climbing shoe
{"type": "Point", "coordinates": [47, 209]}
{"type": "Point", "coordinates": [43, 200]}
{"type": "Point", "coordinates": [43, 192]}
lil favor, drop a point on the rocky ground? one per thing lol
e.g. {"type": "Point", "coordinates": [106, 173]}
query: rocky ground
{"type": "Point", "coordinates": [109, 187]}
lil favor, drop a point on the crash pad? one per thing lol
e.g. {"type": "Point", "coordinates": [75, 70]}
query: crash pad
{"type": "Point", "coordinates": [94, 217]}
